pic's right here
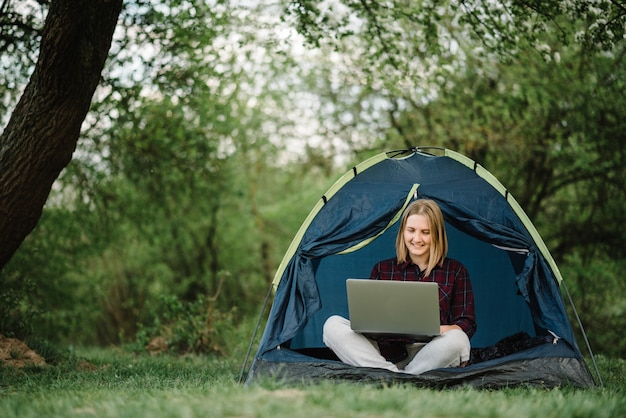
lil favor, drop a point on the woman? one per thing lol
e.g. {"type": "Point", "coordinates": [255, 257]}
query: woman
{"type": "Point", "coordinates": [421, 249]}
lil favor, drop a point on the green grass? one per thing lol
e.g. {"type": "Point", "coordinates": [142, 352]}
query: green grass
{"type": "Point", "coordinates": [127, 385]}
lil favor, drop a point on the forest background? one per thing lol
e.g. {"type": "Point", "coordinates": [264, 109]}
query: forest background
{"type": "Point", "coordinates": [218, 124]}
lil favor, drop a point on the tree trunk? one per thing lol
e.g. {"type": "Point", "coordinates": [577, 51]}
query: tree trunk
{"type": "Point", "coordinates": [41, 135]}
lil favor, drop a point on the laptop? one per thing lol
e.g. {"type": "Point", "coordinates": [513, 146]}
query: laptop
{"type": "Point", "coordinates": [388, 308]}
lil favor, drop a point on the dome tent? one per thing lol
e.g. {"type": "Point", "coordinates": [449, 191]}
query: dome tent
{"type": "Point", "coordinates": [515, 279]}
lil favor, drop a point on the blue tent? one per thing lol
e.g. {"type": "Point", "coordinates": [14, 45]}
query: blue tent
{"type": "Point", "coordinates": [516, 282]}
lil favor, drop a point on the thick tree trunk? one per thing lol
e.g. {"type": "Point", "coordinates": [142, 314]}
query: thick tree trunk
{"type": "Point", "coordinates": [41, 135]}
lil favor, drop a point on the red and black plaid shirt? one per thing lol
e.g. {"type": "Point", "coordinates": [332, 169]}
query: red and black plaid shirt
{"type": "Point", "coordinates": [456, 299]}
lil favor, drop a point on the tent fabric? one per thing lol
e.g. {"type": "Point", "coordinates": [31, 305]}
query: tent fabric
{"type": "Point", "coordinates": [543, 367]}
{"type": "Point", "coordinates": [515, 279]}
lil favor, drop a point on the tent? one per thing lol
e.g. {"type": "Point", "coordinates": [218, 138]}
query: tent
{"type": "Point", "coordinates": [524, 333]}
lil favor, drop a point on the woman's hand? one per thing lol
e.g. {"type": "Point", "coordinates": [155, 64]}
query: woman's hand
{"type": "Point", "coordinates": [445, 328]}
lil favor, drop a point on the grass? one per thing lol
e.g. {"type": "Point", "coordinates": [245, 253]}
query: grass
{"type": "Point", "coordinates": [115, 383]}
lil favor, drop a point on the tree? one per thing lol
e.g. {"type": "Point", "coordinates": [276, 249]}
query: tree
{"type": "Point", "coordinates": [179, 181]}
{"type": "Point", "coordinates": [42, 133]}
{"type": "Point", "coordinates": [502, 27]}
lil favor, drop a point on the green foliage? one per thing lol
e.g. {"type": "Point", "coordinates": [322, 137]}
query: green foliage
{"type": "Point", "coordinates": [16, 313]}
{"type": "Point", "coordinates": [187, 327]}
{"type": "Point", "coordinates": [599, 293]}
{"type": "Point", "coordinates": [20, 24]}
{"type": "Point", "coordinates": [51, 259]}
{"type": "Point", "coordinates": [53, 354]}
{"type": "Point", "coordinates": [500, 28]}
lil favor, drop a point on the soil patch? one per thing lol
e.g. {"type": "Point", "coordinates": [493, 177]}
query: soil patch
{"type": "Point", "coordinates": [15, 353]}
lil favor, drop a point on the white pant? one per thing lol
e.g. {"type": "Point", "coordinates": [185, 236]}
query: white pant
{"type": "Point", "coordinates": [448, 350]}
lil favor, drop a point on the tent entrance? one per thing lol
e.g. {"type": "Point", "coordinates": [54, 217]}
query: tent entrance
{"type": "Point", "coordinates": [500, 308]}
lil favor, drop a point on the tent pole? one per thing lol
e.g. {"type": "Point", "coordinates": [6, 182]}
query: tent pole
{"type": "Point", "coordinates": [256, 329]}
{"type": "Point", "coordinates": [593, 359]}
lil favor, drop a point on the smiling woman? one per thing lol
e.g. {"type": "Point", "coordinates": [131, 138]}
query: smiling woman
{"type": "Point", "coordinates": [421, 249]}
{"type": "Point", "coordinates": [423, 237]}
{"type": "Point", "coordinates": [417, 239]}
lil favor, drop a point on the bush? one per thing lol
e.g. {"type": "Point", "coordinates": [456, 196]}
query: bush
{"type": "Point", "coordinates": [597, 290]}
{"type": "Point", "coordinates": [16, 315]}
{"type": "Point", "coordinates": [186, 327]}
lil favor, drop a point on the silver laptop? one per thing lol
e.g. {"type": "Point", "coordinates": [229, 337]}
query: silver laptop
{"type": "Point", "coordinates": [388, 308]}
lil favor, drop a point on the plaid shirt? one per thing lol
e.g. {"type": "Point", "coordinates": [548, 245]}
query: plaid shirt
{"type": "Point", "coordinates": [456, 299]}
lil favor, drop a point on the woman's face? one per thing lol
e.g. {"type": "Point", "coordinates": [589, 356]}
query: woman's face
{"type": "Point", "coordinates": [417, 238]}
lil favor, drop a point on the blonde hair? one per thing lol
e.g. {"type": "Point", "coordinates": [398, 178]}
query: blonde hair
{"type": "Point", "coordinates": [439, 240]}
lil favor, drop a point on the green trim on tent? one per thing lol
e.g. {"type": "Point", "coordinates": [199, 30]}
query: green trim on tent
{"type": "Point", "coordinates": [495, 183]}
{"type": "Point", "coordinates": [412, 195]}
{"type": "Point", "coordinates": [359, 168]}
